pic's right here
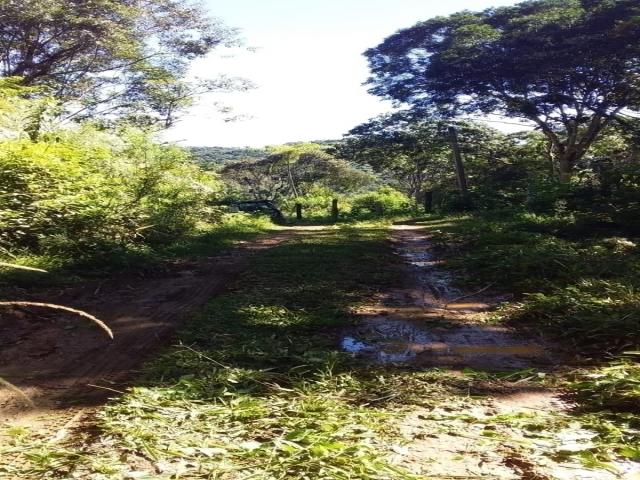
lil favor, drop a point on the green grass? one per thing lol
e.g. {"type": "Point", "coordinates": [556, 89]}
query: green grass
{"type": "Point", "coordinates": [256, 387]}
{"type": "Point", "coordinates": [68, 267]}
{"type": "Point", "coordinates": [581, 286]}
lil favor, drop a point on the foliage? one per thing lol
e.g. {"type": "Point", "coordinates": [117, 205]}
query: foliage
{"type": "Point", "coordinates": [317, 202]}
{"type": "Point", "coordinates": [568, 66]}
{"type": "Point", "coordinates": [293, 171]}
{"type": "Point", "coordinates": [384, 201]}
{"type": "Point", "coordinates": [64, 266]}
{"type": "Point", "coordinates": [85, 190]}
{"type": "Point", "coordinates": [414, 154]}
{"type": "Point", "coordinates": [211, 158]}
{"type": "Point", "coordinates": [112, 57]}
{"type": "Point", "coordinates": [614, 387]}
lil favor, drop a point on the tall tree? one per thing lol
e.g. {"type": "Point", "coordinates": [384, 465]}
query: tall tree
{"type": "Point", "coordinates": [111, 56]}
{"type": "Point", "coordinates": [293, 170]}
{"type": "Point", "coordinates": [569, 66]}
{"type": "Point", "coordinates": [416, 153]}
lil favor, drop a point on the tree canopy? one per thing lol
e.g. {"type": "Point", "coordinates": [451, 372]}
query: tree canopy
{"type": "Point", "coordinates": [414, 153]}
{"type": "Point", "coordinates": [569, 66]}
{"type": "Point", "coordinates": [111, 56]}
{"type": "Point", "coordinates": [292, 171]}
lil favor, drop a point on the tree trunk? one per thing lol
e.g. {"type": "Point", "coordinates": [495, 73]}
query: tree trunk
{"type": "Point", "coordinates": [292, 184]}
{"type": "Point", "coordinates": [568, 153]}
{"type": "Point", "coordinates": [428, 201]}
{"type": "Point", "coordinates": [566, 162]}
{"type": "Point", "coordinates": [565, 169]}
{"type": "Point", "coordinates": [460, 172]}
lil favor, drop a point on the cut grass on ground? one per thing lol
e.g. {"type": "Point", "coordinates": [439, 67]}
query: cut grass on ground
{"type": "Point", "coordinates": [256, 387]}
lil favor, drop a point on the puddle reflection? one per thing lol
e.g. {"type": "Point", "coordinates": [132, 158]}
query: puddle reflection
{"type": "Point", "coordinates": [418, 331]}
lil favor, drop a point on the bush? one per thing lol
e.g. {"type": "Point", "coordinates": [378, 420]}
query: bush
{"type": "Point", "coordinates": [316, 203]}
{"type": "Point", "coordinates": [382, 202]}
{"type": "Point", "coordinates": [87, 190]}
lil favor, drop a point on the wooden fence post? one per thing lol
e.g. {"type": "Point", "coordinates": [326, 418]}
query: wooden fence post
{"type": "Point", "coordinates": [334, 210]}
{"type": "Point", "coordinates": [298, 211]}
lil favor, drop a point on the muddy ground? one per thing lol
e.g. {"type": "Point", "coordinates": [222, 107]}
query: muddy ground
{"type": "Point", "coordinates": [428, 322]}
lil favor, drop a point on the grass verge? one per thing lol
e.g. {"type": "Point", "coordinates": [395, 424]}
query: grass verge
{"type": "Point", "coordinates": [577, 285]}
{"type": "Point", "coordinates": [65, 267]}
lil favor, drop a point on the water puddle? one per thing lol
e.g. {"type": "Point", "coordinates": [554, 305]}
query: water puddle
{"type": "Point", "coordinates": [426, 324]}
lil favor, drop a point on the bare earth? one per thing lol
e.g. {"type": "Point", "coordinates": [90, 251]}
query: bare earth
{"type": "Point", "coordinates": [64, 366]}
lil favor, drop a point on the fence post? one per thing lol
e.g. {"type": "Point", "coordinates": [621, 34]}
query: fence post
{"type": "Point", "coordinates": [334, 210]}
{"type": "Point", "coordinates": [298, 211]}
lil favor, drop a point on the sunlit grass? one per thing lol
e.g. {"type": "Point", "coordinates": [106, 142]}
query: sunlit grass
{"type": "Point", "coordinates": [256, 387]}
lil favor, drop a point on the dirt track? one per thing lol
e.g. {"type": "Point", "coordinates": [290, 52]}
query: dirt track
{"type": "Point", "coordinates": [68, 367]}
{"type": "Point", "coordinates": [64, 365]}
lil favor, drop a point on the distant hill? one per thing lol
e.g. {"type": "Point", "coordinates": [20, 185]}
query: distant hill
{"type": "Point", "coordinates": [216, 156]}
{"type": "Point", "coordinates": [212, 157]}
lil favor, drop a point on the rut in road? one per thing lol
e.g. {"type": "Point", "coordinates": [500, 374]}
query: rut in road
{"type": "Point", "coordinates": [66, 367]}
{"type": "Point", "coordinates": [427, 322]}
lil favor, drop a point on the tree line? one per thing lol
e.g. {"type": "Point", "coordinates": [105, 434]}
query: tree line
{"type": "Point", "coordinates": [86, 85]}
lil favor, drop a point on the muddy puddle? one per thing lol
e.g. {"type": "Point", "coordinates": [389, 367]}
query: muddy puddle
{"type": "Point", "coordinates": [428, 322]}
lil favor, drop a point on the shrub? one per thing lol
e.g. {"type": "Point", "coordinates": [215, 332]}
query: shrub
{"type": "Point", "coordinates": [315, 203]}
{"type": "Point", "coordinates": [384, 201]}
{"type": "Point", "coordinates": [87, 189]}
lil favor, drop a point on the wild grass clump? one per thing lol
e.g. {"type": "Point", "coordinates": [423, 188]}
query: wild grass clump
{"type": "Point", "coordinates": [578, 284]}
{"type": "Point", "coordinates": [596, 317]}
{"type": "Point", "coordinates": [614, 387]}
{"type": "Point", "coordinates": [294, 431]}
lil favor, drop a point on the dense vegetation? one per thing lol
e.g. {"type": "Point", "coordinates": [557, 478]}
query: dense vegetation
{"type": "Point", "coordinates": [549, 215]}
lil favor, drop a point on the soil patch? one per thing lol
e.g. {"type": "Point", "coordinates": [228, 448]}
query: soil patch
{"type": "Point", "coordinates": [64, 365]}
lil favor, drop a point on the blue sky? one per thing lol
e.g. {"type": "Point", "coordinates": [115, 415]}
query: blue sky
{"type": "Point", "coordinates": [308, 67]}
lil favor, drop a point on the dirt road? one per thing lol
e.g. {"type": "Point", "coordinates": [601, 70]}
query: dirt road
{"type": "Point", "coordinates": [64, 366]}
{"type": "Point", "coordinates": [67, 367]}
